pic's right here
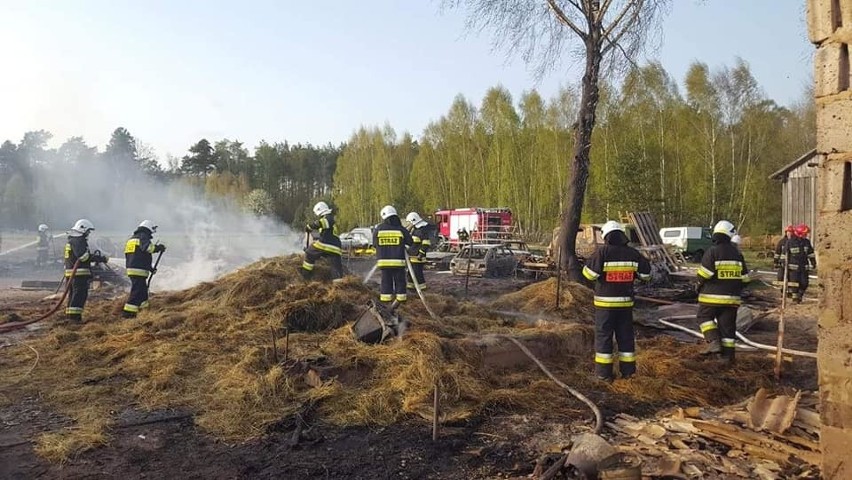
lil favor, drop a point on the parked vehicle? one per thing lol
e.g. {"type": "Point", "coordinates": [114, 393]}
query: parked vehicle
{"type": "Point", "coordinates": [691, 241]}
{"type": "Point", "coordinates": [483, 225]}
{"type": "Point", "coordinates": [485, 260]}
{"type": "Point", "coordinates": [588, 239]}
{"type": "Point", "coordinates": [358, 241]}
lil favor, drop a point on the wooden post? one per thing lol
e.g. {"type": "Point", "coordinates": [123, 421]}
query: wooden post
{"type": "Point", "coordinates": [274, 345]}
{"type": "Point", "coordinates": [778, 353]}
{"type": "Point", "coordinates": [558, 276]}
{"type": "Point", "coordinates": [286, 343]}
{"type": "Point", "coordinates": [436, 409]}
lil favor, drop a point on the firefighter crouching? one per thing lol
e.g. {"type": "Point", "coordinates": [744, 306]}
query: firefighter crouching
{"type": "Point", "coordinates": [77, 254]}
{"type": "Point", "coordinates": [138, 256]}
{"type": "Point", "coordinates": [327, 245]}
{"type": "Point", "coordinates": [721, 277]}
{"type": "Point", "coordinates": [391, 240]}
{"type": "Point", "coordinates": [613, 267]}
{"type": "Point", "coordinates": [420, 236]}
{"type": "Point", "coordinates": [802, 260]}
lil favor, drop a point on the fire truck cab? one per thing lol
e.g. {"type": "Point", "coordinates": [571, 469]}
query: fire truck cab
{"type": "Point", "coordinates": [483, 225]}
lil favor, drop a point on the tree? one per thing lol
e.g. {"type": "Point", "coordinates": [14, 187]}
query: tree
{"type": "Point", "coordinates": [201, 162]}
{"type": "Point", "coordinates": [539, 29]}
{"type": "Point", "coordinates": [259, 202]}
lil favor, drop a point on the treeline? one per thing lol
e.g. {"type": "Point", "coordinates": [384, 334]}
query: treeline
{"type": "Point", "coordinates": [691, 153]}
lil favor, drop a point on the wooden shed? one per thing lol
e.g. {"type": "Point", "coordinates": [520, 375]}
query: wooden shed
{"type": "Point", "coordinates": [799, 191]}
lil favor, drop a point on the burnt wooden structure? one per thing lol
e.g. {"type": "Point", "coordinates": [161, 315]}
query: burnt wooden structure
{"type": "Point", "coordinates": [799, 192]}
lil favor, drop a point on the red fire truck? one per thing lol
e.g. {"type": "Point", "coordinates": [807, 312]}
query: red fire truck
{"type": "Point", "coordinates": [483, 225]}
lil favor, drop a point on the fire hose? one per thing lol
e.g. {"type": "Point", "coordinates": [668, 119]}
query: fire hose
{"type": "Point", "coordinates": [755, 345]}
{"type": "Point", "coordinates": [8, 327]}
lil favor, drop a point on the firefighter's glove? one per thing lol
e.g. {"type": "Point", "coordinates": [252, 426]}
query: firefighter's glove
{"type": "Point", "coordinates": [308, 229]}
{"type": "Point", "coordinates": [159, 248]}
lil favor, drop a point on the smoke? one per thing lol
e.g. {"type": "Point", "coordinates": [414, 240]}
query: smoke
{"type": "Point", "coordinates": [205, 237]}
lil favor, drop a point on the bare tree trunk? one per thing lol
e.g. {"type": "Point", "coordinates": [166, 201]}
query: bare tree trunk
{"type": "Point", "coordinates": [579, 176]}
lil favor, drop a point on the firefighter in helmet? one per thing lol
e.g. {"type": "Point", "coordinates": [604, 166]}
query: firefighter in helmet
{"type": "Point", "coordinates": [781, 251]}
{"type": "Point", "coordinates": [421, 232]}
{"type": "Point", "coordinates": [721, 277]}
{"type": "Point", "coordinates": [391, 240]}
{"type": "Point", "coordinates": [802, 260]}
{"type": "Point", "coordinates": [613, 267]}
{"type": "Point", "coordinates": [43, 245]}
{"type": "Point", "coordinates": [78, 264]}
{"type": "Point", "coordinates": [326, 245]}
{"type": "Point", "coordinates": [138, 258]}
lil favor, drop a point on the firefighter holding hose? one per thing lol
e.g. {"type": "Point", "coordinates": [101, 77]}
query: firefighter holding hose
{"type": "Point", "coordinates": [614, 267]}
{"type": "Point", "coordinates": [721, 277]}
{"type": "Point", "coordinates": [78, 263]}
{"type": "Point", "coordinates": [421, 232]}
{"type": "Point", "coordinates": [138, 258]}
{"type": "Point", "coordinates": [327, 245]}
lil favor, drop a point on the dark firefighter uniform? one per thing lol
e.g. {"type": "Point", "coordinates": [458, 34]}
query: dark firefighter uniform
{"type": "Point", "coordinates": [722, 275]}
{"type": "Point", "coordinates": [802, 259]}
{"type": "Point", "coordinates": [138, 261]}
{"type": "Point", "coordinates": [77, 253]}
{"type": "Point", "coordinates": [391, 240]}
{"type": "Point", "coordinates": [613, 267]}
{"type": "Point", "coordinates": [41, 248]}
{"type": "Point", "coordinates": [420, 236]}
{"type": "Point", "coordinates": [780, 258]}
{"type": "Point", "coordinates": [326, 245]}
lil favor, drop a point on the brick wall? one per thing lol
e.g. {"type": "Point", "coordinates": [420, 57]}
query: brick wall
{"type": "Point", "coordinates": [830, 29]}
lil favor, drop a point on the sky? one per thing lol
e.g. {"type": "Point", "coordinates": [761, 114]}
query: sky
{"type": "Point", "coordinates": [173, 72]}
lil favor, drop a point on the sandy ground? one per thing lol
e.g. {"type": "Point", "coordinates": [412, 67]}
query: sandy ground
{"type": "Point", "coordinates": [168, 445]}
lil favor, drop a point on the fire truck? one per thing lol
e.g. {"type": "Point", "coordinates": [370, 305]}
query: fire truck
{"type": "Point", "coordinates": [483, 225]}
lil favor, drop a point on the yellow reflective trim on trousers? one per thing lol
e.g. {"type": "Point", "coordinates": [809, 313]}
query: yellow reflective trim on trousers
{"type": "Point", "coordinates": [390, 263]}
{"type": "Point", "coordinates": [590, 274]}
{"type": "Point", "coordinates": [705, 272]}
{"type": "Point", "coordinates": [729, 342]}
{"type": "Point", "coordinates": [416, 239]}
{"type": "Point", "coordinates": [327, 248]}
{"type": "Point", "coordinates": [137, 272]}
{"type": "Point", "coordinates": [307, 266]}
{"type": "Point", "coordinates": [81, 272]}
{"type": "Point", "coordinates": [385, 297]}
{"type": "Point", "coordinates": [604, 358]}
{"type": "Point", "coordinates": [613, 302]}
{"type": "Point", "coordinates": [712, 299]}
{"type": "Point", "coordinates": [74, 310]}
{"type": "Point", "coordinates": [707, 326]}
{"type": "Point", "coordinates": [401, 297]}
{"type": "Point", "coordinates": [627, 356]}
{"type": "Point", "coordinates": [131, 308]}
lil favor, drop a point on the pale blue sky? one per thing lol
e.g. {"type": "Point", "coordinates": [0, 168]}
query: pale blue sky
{"type": "Point", "coordinates": [309, 71]}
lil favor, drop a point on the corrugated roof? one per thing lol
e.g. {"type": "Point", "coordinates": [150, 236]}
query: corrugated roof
{"type": "Point", "coordinates": [793, 165]}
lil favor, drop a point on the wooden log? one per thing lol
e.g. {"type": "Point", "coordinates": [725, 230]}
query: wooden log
{"type": "Point", "coordinates": [761, 445]}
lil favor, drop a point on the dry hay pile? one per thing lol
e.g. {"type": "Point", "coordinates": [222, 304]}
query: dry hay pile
{"type": "Point", "coordinates": [209, 350]}
{"type": "Point", "coordinates": [575, 302]}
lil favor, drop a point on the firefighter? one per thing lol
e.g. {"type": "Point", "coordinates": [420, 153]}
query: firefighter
{"type": "Point", "coordinates": [421, 232]}
{"type": "Point", "coordinates": [326, 245]}
{"type": "Point", "coordinates": [77, 255]}
{"type": "Point", "coordinates": [802, 260]}
{"type": "Point", "coordinates": [463, 235]}
{"type": "Point", "coordinates": [391, 240]}
{"type": "Point", "coordinates": [138, 260]}
{"type": "Point", "coordinates": [781, 251]}
{"type": "Point", "coordinates": [43, 245]}
{"type": "Point", "coordinates": [721, 277]}
{"type": "Point", "coordinates": [613, 267]}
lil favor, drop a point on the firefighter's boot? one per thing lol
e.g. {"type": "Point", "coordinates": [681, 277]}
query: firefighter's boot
{"type": "Point", "coordinates": [715, 346]}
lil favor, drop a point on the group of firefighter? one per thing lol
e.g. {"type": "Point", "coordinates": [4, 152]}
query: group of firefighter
{"type": "Point", "coordinates": [613, 268]}
{"type": "Point", "coordinates": [78, 258]}
{"type": "Point", "coordinates": [396, 246]}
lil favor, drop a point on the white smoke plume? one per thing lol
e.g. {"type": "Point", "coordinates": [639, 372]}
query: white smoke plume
{"type": "Point", "coordinates": [205, 237]}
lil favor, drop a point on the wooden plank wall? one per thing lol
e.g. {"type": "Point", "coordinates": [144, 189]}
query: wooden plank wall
{"type": "Point", "coordinates": [799, 198]}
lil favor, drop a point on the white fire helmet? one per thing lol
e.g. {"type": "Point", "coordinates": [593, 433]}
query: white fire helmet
{"type": "Point", "coordinates": [149, 225]}
{"type": "Point", "coordinates": [43, 227]}
{"type": "Point", "coordinates": [415, 219]}
{"type": "Point", "coordinates": [611, 226]}
{"type": "Point", "coordinates": [387, 211]}
{"type": "Point", "coordinates": [81, 227]}
{"type": "Point", "coordinates": [321, 208]}
{"type": "Point", "coordinates": [725, 227]}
